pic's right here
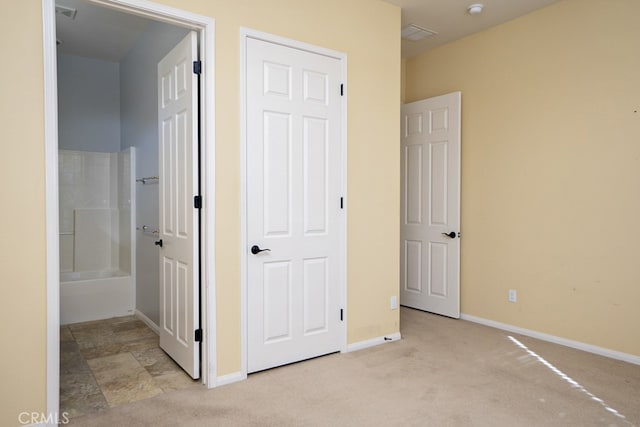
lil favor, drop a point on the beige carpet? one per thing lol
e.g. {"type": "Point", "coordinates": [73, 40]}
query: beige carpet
{"type": "Point", "coordinates": [443, 372]}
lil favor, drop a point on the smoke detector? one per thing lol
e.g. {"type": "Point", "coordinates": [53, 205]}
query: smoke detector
{"type": "Point", "coordinates": [414, 33]}
{"type": "Point", "coordinates": [475, 9]}
{"type": "Point", "coordinates": [69, 12]}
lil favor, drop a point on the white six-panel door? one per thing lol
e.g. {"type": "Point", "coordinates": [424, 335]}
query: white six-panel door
{"type": "Point", "coordinates": [430, 200]}
{"type": "Point", "coordinates": [294, 173]}
{"type": "Point", "coordinates": [179, 281]}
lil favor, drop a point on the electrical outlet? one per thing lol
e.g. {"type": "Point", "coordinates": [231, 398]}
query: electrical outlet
{"type": "Point", "coordinates": [513, 295]}
{"type": "Point", "coordinates": [393, 303]}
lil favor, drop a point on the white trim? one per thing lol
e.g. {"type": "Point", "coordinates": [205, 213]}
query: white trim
{"type": "Point", "coordinates": [206, 29]}
{"type": "Point", "coordinates": [343, 223]}
{"type": "Point", "coordinates": [342, 57]}
{"type": "Point", "coordinates": [601, 351]}
{"type": "Point", "coordinates": [208, 224]}
{"type": "Point", "coordinates": [132, 224]}
{"type": "Point", "coordinates": [385, 339]}
{"type": "Point", "coordinates": [157, 12]}
{"type": "Point", "coordinates": [243, 205]}
{"type": "Point", "coordinates": [230, 378]}
{"type": "Point", "coordinates": [286, 42]}
{"type": "Point", "coordinates": [51, 207]}
{"type": "Point", "coordinates": [459, 193]}
{"type": "Point", "coordinates": [150, 323]}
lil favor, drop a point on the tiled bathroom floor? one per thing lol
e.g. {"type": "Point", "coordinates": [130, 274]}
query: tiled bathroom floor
{"type": "Point", "coordinates": [106, 363]}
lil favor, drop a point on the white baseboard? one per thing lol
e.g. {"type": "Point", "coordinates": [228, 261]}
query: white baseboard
{"type": "Point", "coordinates": [625, 357]}
{"type": "Point", "coordinates": [230, 378]}
{"type": "Point", "coordinates": [150, 323]}
{"type": "Point", "coordinates": [373, 342]}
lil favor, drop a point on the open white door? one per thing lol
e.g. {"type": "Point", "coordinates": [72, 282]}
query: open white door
{"type": "Point", "coordinates": [294, 212]}
{"type": "Point", "coordinates": [179, 227]}
{"type": "Point", "coordinates": [430, 213]}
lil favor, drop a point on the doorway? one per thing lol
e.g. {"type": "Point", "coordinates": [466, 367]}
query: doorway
{"type": "Point", "coordinates": [204, 28]}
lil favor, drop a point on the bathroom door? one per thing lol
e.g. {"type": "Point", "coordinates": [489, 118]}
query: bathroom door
{"type": "Point", "coordinates": [179, 218]}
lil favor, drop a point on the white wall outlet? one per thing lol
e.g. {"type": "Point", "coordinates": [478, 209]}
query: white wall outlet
{"type": "Point", "coordinates": [393, 303]}
{"type": "Point", "coordinates": [513, 295]}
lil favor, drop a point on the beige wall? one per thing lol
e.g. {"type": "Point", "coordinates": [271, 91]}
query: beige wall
{"type": "Point", "coordinates": [22, 247]}
{"type": "Point", "coordinates": [373, 172]}
{"type": "Point", "coordinates": [550, 168]}
{"type": "Point", "coordinates": [403, 73]}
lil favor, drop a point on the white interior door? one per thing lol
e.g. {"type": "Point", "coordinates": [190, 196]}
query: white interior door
{"type": "Point", "coordinates": [294, 173]}
{"type": "Point", "coordinates": [179, 227]}
{"type": "Point", "coordinates": [430, 230]}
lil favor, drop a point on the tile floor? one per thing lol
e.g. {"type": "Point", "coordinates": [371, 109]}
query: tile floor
{"type": "Point", "coordinates": [106, 363]}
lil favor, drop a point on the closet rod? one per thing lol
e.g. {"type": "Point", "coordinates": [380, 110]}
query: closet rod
{"type": "Point", "coordinates": [147, 178]}
{"type": "Point", "coordinates": [147, 229]}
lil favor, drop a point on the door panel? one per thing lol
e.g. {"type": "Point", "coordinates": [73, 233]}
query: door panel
{"type": "Point", "coordinates": [294, 173]}
{"type": "Point", "coordinates": [413, 266]}
{"type": "Point", "coordinates": [277, 174]}
{"type": "Point", "coordinates": [315, 146]}
{"type": "Point", "coordinates": [179, 228]}
{"type": "Point", "coordinates": [413, 180]}
{"type": "Point", "coordinates": [277, 301]}
{"type": "Point", "coordinates": [438, 193]}
{"type": "Point", "coordinates": [316, 293]}
{"type": "Point", "coordinates": [430, 260]}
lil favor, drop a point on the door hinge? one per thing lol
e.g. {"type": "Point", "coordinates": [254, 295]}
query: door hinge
{"type": "Point", "coordinates": [341, 202]}
{"type": "Point", "coordinates": [197, 335]}
{"type": "Point", "coordinates": [341, 89]}
{"type": "Point", "coordinates": [197, 202]}
{"type": "Point", "coordinates": [341, 314]}
{"type": "Point", "coordinates": [197, 67]}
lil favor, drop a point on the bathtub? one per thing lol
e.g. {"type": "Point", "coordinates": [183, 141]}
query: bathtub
{"type": "Point", "coordinates": [95, 295]}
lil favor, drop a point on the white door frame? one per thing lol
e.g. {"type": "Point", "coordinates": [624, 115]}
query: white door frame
{"type": "Point", "coordinates": [205, 26]}
{"type": "Point", "coordinates": [246, 33]}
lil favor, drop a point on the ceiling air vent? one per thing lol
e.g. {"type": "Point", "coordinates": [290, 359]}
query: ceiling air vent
{"type": "Point", "coordinates": [415, 33]}
{"type": "Point", "coordinates": [69, 12]}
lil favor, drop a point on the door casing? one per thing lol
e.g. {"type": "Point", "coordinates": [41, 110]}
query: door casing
{"type": "Point", "coordinates": [246, 33]}
{"type": "Point", "coordinates": [205, 26]}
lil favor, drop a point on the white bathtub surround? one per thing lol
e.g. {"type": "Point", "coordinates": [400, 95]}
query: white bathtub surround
{"type": "Point", "coordinates": [126, 208]}
{"type": "Point", "coordinates": [96, 192]}
{"type": "Point", "coordinates": [94, 242]}
{"type": "Point", "coordinates": [95, 295]}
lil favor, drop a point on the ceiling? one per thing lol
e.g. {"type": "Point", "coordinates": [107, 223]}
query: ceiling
{"type": "Point", "coordinates": [97, 32]}
{"type": "Point", "coordinates": [108, 34]}
{"type": "Point", "coordinates": [451, 21]}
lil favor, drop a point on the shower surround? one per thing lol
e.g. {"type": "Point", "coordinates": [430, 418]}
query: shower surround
{"type": "Point", "coordinates": [96, 194]}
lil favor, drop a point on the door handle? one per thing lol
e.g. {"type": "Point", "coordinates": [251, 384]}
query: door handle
{"type": "Point", "coordinates": [255, 249]}
{"type": "Point", "coordinates": [451, 234]}
{"type": "Point", "coordinates": [158, 243]}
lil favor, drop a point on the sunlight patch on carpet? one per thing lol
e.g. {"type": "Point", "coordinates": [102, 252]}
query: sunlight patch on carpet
{"type": "Point", "coordinates": [568, 379]}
